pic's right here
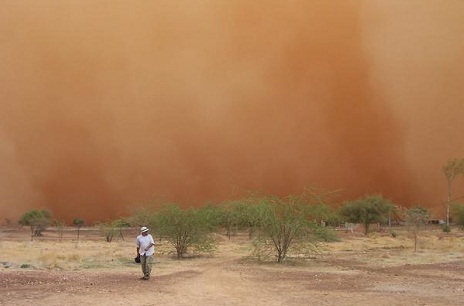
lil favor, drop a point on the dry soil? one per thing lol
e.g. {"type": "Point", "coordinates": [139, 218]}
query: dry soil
{"type": "Point", "coordinates": [374, 270]}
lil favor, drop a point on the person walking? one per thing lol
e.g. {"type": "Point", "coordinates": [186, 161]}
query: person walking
{"type": "Point", "coordinates": [145, 251]}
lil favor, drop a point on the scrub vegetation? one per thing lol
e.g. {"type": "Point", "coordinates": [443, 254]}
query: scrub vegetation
{"type": "Point", "coordinates": [278, 227]}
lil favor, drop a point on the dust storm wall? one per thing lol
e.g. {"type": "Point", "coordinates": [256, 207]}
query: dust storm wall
{"type": "Point", "coordinates": [108, 105]}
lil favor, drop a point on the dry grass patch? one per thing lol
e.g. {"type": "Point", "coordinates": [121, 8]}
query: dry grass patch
{"type": "Point", "coordinates": [95, 253]}
{"type": "Point", "coordinates": [396, 251]}
{"type": "Point", "coordinates": [67, 255]}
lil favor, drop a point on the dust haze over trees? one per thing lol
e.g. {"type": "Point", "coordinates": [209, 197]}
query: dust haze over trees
{"type": "Point", "coordinates": [278, 228]}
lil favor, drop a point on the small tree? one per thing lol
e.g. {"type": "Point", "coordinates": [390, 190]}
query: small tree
{"type": "Point", "coordinates": [120, 224]}
{"type": "Point", "coordinates": [396, 214]}
{"type": "Point", "coordinates": [185, 228]}
{"type": "Point", "coordinates": [233, 216]}
{"type": "Point", "coordinates": [319, 210]}
{"type": "Point", "coordinates": [452, 169]}
{"type": "Point", "coordinates": [38, 220]}
{"type": "Point", "coordinates": [283, 221]}
{"type": "Point", "coordinates": [367, 210]}
{"type": "Point", "coordinates": [78, 223]}
{"type": "Point", "coordinates": [458, 213]}
{"type": "Point", "coordinates": [251, 216]}
{"type": "Point", "coordinates": [416, 218]}
{"type": "Point", "coordinates": [60, 225]}
{"type": "Point", "coordinates": [110, 229]}
{"type": "Point", "coordinates": [145, 216]}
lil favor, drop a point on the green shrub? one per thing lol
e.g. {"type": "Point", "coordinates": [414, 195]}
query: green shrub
{"type": "Point", "coordinates": [446, 228]}
{"type": "Point", "coordinates": [326, 234]}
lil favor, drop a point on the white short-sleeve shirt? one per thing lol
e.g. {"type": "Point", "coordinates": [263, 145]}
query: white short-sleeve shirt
{"type": "Point", "coordinates": [143, 242]}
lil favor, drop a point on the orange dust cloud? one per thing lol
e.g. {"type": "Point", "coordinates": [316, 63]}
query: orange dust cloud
{"type": "Point", "coordinates": [107, 105]}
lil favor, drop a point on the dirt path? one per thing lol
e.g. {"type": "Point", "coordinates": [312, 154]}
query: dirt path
{"type": "Point", "coordinates": [219, 282]}
{"type": "Point", "coordinates": [358, 271]}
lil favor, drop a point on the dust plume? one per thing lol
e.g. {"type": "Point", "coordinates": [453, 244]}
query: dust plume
{"type": "Point", "coordinates": [107, 105]}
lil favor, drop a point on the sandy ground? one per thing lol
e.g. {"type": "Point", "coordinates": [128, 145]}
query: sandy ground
{"type": "Point", "coordinates": [378, 270]}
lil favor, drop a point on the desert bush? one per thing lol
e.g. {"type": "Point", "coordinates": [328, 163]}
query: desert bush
{"type": "Point", "coordinates": [60, 225]}
{"type": "Point", "coordinates": [367, 210]}
{"type": "Point", "coordinates": [281, 223]}
{"type": "Point", "coordinates": [458, 214]}
{"type": "Point", "coordinates": [318, 210]}
{"type": "Point", "coordinates": [120, 225]}
{"type": "Point", "coordinates": [416, 219]}
{"type": "Point", "coordinates": [145, 216]}
{"type": "Point", "coordinates": [446, 228]}
{"type": "Point", "coordinates": [186, 228]}
{"type": "Point", "coordinates": [453, 169]}
{"type": "Point", "coordinates": [114, 228]}
{"type": "Point", "coordinates": [25, 266]}
{"type": "Point", "coordinates": [230, 216]}
{"type": "Point", "coordinates": [239, 214]}
{"type": "Point", "coordinates": [325, 233]}
{"type": "Point", "coordinates": [108, 230]}
{"type": "Point", "coordinates": [37, 220]}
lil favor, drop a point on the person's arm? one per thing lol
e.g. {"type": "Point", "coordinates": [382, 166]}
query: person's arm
{"type": "Point", "coordinates": [138, 247]}
{"type": "Point", "coordinates": [152, 243]}
{"type": "Point", "coordinates": [149, 246]}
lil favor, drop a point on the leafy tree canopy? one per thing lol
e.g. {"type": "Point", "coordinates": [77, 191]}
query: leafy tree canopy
{"type": "Point", "coordinates": [367, 210]}
{"type": "Point", "coordinates": [38, 220]}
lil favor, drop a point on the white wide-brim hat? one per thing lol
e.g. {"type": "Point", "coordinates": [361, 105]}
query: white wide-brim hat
{"type": "Point", "coordinates": [144, 229]}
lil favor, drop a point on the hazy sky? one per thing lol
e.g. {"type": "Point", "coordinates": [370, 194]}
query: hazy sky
{"type": "Point", "coordinates": [106, 105]}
